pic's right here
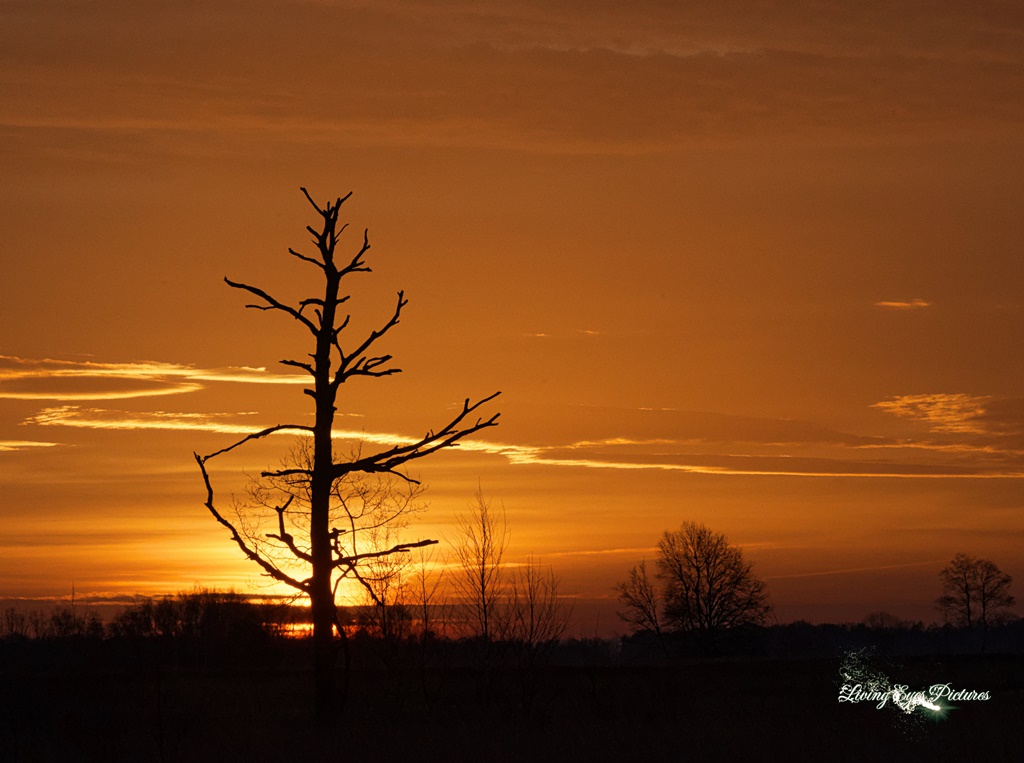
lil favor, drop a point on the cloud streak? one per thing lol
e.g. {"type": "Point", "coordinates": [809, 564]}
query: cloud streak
{"type": "Point", "coordinates": [856, 570]}
{"type": "Point", "coordinates": [593, 457]}
{"type": "Point", "coordinates": [50, 379]}
{"type": "Point", "coordinates": [911, 304]}
{"type": "Point", "coordinates": [7, 446]}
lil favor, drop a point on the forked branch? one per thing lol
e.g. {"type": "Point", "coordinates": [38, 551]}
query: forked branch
{"type": "Point", "coordinates": [356, 363]}
{"type": "Point", "coordinates": [286, 537]}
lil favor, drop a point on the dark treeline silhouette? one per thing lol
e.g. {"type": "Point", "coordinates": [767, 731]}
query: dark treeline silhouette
{"type": "Point", "coordinates": [802, 639]}
{"type": "Point", "coordinates": [215, 630]}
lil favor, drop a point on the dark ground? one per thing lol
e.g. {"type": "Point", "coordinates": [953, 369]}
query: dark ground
{"type": "Point", "coordinates": [63, 706]}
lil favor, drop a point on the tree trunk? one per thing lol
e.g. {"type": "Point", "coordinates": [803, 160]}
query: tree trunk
{"type": "Point", "coordinates": [325, 654]}
{"type": "Point", "coordinates": [321, 482]}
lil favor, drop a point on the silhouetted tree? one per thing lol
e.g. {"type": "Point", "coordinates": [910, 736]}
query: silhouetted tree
{"type": "Point", "coordinates": [974, 592]}
{"type": "Point", "coordinates": [639, 598]}
{"type": "Point", "coordinates": [320, 550]}
{"type": "Point", "coordinates": [15, 624]}
{"type": "Point", "coordinates": [538, 615]}
{"type": "Point", "coordinates": [65, 622]}
{"type": "Point", "coordinates": [428, 596]}
{"type": "Point", "coordinates": [537, 618]}
{"type": "Point", "coordinates": [430, 606]}
{"type": "Point", "coordinates": [479, 581]}
{"type": "Point", "coordinates": [706, 587]}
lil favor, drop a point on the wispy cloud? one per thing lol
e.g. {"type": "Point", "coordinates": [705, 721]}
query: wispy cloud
{"type": "Point", "coordinates": [50, 379]}
{"type": "Point", "coordinates": [13, 445]}
{"type": "Point", "coordinates": [98, 418]}
{"type": "Point", "coordinates": [857, 570]}
{"type": "Point", "coordinates": [947, 413]}
{"type": "Point", "coordinates": [875, 471]}
{"type": "Point", "coordinates": [649, 550]}
{"type": "Point", "coordinates": [985, 427]}
{"type": "Point", "coordinates": [573, 334]}
{"type": "Point", "coordinates": [613, 441]}
{"type": "Point", "coordinates": [910, 304]}
{"type": "Point", "coordinates": [224, 423]}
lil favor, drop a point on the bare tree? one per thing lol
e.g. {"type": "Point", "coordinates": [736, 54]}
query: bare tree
{"type": "Point", "coordinates": [428, 596]}
{"type": "Point", "coordinates": [538, 615]}
{"type": "Point", "coordinates": [974, 592]}
{"type": "Point", "coordinates": [639, 599]}
{"type": "Point", "coordinates": [320, 553]}
{"type": "Point", "coordinates": [431, 607]}
{"type": "Point", "coordinates": [537, 618]}
{"type": "Point", "coordinates": [706, 587]}
{"type": "Point", "coordinates": [15, 623]}
{"type": "Point", "coordinates": [514, 612]}
{"type": "Point", "coordinates": [479, 582]}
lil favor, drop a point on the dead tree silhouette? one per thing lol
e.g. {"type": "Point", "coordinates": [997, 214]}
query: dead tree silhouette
{"type": "Point", "coordinates": [321, 550]}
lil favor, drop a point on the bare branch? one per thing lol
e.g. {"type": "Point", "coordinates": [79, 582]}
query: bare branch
{"type": "Point", "coordinates": [272, 304]}
{"type": "Point", "coordinates": [304, 258]}
{"type": "Point", "coordinates": [258, 435]}
{"type": "Point", "coordinates": [369, 588]}
{"type": "Point", "coordinates": [286, 537]}
{"type": "Point", "coordinates": [269, 568]}
{"type": "Point", "coordinates": [317, 208]}
{"type": "Point", "coordinates": [399, 548]}
{"type": "Point", "coordinates": [287, 472]}
{"type": "Point", "coordinates": [357, 265]}
{"type": "Point", "coordinates": [298, 364]}
{"type": "Point", "coordinates": [367, 366]}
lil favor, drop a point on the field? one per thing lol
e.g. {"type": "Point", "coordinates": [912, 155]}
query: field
{"type": "Point", "coordinates": [76, 706]}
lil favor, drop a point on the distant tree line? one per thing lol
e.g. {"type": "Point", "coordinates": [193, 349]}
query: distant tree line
{"type": "Point", "coordinates": [482, 612]}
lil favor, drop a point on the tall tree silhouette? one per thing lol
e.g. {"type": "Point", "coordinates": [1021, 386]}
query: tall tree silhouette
{"type": "Point", "coordinates": [707, 587]}
{"type": "Point", "coordinates": [479, 580]}
{"type": "Point", "coordinates": [323, 552]}
{"type": "Point", "coordinates": [974, 591]}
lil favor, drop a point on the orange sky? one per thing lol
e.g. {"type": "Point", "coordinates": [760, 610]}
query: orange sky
{"type": "Point", "coordinates": [757, 265]}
